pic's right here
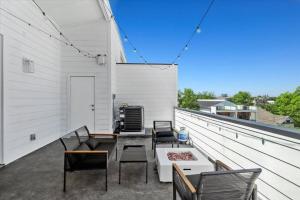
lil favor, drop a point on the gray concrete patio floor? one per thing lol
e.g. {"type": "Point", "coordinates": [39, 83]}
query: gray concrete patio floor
{"type": "Point", "coordinates": [39, 176]}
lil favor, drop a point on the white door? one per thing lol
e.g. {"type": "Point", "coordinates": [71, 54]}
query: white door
{"type": "Point", "coordinates": [82, 101]}
{"type": "Point", "coordinates": [1, 99]}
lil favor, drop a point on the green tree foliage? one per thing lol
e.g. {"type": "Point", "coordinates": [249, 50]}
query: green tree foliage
{"type": "Point", "coordinates": [188, 99]}
{"type": "Point", "coordinates": [287, 104]}
{"type": "Point", "coordinates": [242, 98]}
{"type": "Point", "coordinates": [206, 95]}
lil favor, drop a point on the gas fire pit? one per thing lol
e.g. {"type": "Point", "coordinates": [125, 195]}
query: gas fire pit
{"type": "Point", "coordinates": [190, 160]}
{"type": "Point", "coordinates": [175, 156]}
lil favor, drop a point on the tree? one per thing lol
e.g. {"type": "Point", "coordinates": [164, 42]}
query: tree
{"type": "Point", "coordinates": [206, 95]}
{"type": "Point", "coordinates": [242, 98]}
{"type": "Point", "coordinates": [188, 99]}
{"type": "Point", "coordinates": [287, 104]}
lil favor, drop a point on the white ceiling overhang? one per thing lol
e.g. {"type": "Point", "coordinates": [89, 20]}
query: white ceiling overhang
{"type": "Point", "coordinates": [68, 13]}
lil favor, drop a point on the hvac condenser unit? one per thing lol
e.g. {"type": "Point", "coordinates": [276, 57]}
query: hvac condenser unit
{"type": "Point", "coordinates": [131, 118]}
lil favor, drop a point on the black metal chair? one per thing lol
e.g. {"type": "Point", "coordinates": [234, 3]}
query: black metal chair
{"type": "Point", "coordinates": [224, 184]}
{"type": "Point", "coordinates": [98, 141]}
{"type": "Point", "coordinates": [83, 158]}
{"type": "Point", "coordinates": [163, 132]}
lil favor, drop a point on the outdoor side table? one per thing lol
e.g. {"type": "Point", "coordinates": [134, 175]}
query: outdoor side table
{"type": "Point", "coordinates": [133, 154]}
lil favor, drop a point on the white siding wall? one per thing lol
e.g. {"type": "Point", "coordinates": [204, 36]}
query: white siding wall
{"type": "Point", "coordinates": [34, 103]}
{"type": "Point", "coordinates": [94, 38]}
{"type": "Point", "coordinates": [1, 105]}
{"type": "Point", "coordinates": [117, 52]}
{"type": "Point", "coordinates": [151, 87]}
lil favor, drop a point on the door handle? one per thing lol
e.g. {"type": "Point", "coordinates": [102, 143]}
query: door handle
{"type": "Point", "coordinates": [93, 109]}
{"type": "Point", "coordinates": [93, 105]}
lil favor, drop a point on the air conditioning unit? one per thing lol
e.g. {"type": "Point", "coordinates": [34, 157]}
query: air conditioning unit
{"type": "Point", "coordinates": [131, 118]}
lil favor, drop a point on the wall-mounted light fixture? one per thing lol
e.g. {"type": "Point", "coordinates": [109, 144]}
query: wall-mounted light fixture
{"type": "Point", "coordinates": [100, 59]}
{"type": "Point", "coordinates": [28, 66]}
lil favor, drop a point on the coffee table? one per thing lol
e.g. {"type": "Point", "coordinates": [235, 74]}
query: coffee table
{"type": "Point", "coordinates": [199, 164]}
{"type": "Point", "coordinates": [133, 154]}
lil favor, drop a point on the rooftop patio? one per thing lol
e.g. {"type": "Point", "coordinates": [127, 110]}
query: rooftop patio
{"type": "Point", "coordinates": [39, 68]}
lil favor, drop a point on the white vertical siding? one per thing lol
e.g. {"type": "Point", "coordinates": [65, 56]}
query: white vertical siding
{"type": "Point", "coordinates": [34, 103]}
{"type": "Point", "coordinates": [92, 37]}
{"type": "Point", "coordinates": [1, 105]}
{"type": "Point", "coordinates": [154, 87]}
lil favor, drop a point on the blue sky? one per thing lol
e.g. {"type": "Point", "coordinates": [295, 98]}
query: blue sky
{"type": "Point", "coordinates": [250, 45]}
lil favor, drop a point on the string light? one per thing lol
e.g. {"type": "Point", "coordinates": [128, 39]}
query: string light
{"type": "Point", "coordinates": [134, 50]}
{"type": "Point", "coordinates": [125, 39]}
{"type": "Point", "coordinates": [67, 41]}
{"type": "Point", "coordinates": [197, 30]}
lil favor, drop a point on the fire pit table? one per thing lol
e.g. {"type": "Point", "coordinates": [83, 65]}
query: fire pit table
{"type": "Point", "coordinates": [190, 160]}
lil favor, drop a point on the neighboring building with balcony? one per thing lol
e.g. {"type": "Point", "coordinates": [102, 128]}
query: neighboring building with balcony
{"type": "Point", "coordinates": [227, 108]}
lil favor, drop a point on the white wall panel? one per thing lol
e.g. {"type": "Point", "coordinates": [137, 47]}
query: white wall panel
{"type": "Point", "coordinates": [151, 87]}
{"type": "Point", "coordinates": [91, 37]}
{"type": "Point", "coordinates": [34, 103]}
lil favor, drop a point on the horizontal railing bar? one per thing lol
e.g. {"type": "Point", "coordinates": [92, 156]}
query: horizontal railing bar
{"type": "Point", "coordinates": [277, 130]}
{"type": "Point", "coordinates": [240, 132]}
{"type": "Point", "coordinates": [218, 124]}
{"type": "Point", "coordinates": [246, 145]}
{"type": "Point", "coordinates": [247, 158]}
{"type": "Point", "coordinates": [243, 168]}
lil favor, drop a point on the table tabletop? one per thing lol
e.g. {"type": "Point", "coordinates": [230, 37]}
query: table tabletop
{"type": "Point", "coordinates": [134, 153]}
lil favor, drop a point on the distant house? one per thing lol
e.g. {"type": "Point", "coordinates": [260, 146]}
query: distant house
{"type": "Point", "coordinates": [227, 108]}
{"type": "Point", "coordinates": [269, 118]}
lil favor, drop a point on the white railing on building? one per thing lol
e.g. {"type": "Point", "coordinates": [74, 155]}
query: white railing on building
{"type": "Point", "coordinates": [244, 144]}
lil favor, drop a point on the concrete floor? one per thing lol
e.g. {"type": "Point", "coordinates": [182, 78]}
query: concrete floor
{"type": "Point", "coordinates": [39, 176]}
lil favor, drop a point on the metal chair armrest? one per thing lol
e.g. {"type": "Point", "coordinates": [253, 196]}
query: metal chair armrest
{"type": "Point", "coordinates": [103, 135]}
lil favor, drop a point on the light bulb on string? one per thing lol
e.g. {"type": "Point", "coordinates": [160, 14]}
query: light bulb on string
{"type": "Point", "coordinates": [186, 47]}
{"type": "Point", "coordinates": [198, 30]}
{"type": "Point", "coordinates": [125, 39]}
{"type": "Point", "coordinates": [134, 51]}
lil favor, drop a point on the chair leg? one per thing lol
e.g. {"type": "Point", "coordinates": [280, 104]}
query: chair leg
{"type": "Point", "coordinates": [154, 150]}
{"type": "Point", "coordinates": [106, 179]}
{"type": "Point", "coordinates": [174, 191]}
{"type": "Point", "coordinates": [116, 153]}
{"type": "Point", "coordinates": [152, 143]}
{"type": "Point", "coordinates": [172, 144]}
{"type": "Point", "coordinates": [65, 176]}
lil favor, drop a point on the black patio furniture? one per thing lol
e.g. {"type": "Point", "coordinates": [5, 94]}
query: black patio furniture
{"type": "Point", "coordinates": [98, 141]}
{"type": "Point", "coordinates": [88, 152]}
{"type": "Point", "coordinates": [226, 184]}
{"type": "Point", "coordinates": [163, 132]}
{"type": "Point", "coordinates": [133, 154]}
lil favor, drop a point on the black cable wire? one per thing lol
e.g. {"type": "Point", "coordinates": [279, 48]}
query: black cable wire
{"type": "Point", "coordinates": [134, 49]}
{"type": "Point", "coordinates": [187, 44]}
{"type": "Point", "coordinates": [46, 33]}
{"type": "Point", "coordinates": [85, 53]}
